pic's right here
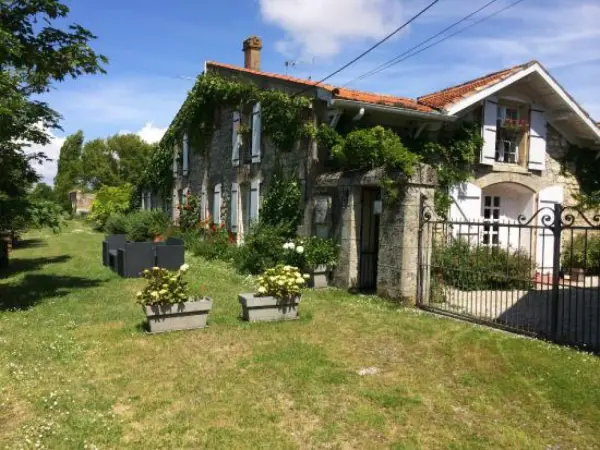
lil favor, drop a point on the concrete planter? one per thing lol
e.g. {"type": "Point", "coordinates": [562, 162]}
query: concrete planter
{"type": "Point", "coordinates": [180, 316]}
{"type": "Point", "coordinates": [266, 309]}
{"type": "Point", "coordinates": [319, 277]}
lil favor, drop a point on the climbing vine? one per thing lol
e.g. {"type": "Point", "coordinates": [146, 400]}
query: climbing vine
{"type": "Point", "coordinates": [585, 166]}
{"type": "Point", "coordinates": [283, 119]}
{"type": "Point", "coordinates": [453, 154]}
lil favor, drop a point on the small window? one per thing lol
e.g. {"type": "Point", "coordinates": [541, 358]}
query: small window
{"type": "Point", "coordinates": [509, 131]}
{"type": "Point", "coordinates": [491, 215]}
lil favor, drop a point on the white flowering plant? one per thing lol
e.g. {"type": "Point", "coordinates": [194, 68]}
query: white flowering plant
{"type": "Point", "coordinates": [164, 287]}
{"type": "Point", "coordinates": [293, 253]}
{"type": "Point", "coordinates": [281, 282]}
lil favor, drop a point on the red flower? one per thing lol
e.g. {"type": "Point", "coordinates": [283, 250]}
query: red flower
{"type": "Point", "coordinates": [214, 228]}
{"type": "Point", "coordinates": [222, 226]}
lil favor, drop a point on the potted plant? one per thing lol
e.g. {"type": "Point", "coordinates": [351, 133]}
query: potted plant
{"type": "Point", "coordinates": [166, 302]}
{"type": "Point", "coordinates": [321, 257]}
{"type": "Point", "coordinates": [277, 297]}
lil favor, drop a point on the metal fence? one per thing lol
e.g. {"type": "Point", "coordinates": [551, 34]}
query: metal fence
{"type": "Point", "coordinates": [535, 275]}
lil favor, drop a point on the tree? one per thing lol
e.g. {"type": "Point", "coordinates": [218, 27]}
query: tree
{"type": "Point", "coordinates": [69, 172]}
{"type": "Point", "coordinates": [33, 55]}
{"type": "Point", "coordinates": [42, 191]}
{"type": "Point", "coordinates": [99, 165]}
{"type": "Point", "coordinates": [132, 154]}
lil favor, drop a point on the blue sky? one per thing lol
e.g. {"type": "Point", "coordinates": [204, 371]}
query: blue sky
{"type": "Point", "coordinates": [156, 48]}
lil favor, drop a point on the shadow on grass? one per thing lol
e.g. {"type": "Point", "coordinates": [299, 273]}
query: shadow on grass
{"type": "Point", "coordinates": [30, 243]}
{"type": "Point", "coordinates": [34, 288]}
{"type": "Point", "coordinates": [18, 265]}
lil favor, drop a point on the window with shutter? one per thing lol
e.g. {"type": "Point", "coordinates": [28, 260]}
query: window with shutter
{"type": "Point", "coordinates": [235, 140]}
{"type": "Point", "coordinates": [254, 201]}
{"type": "Point", "coordinates": [234, 208]}
{"type": "Point", "coordinates": [490, 115]}
{"type": "Point", "coordinates": [537, 141]}
{"type": "Point", "coordinates": [256, 133]}
{"type": "Point", "coordinates": [185, 155]}
{"type": "Point", "coordinates": [217, 204]}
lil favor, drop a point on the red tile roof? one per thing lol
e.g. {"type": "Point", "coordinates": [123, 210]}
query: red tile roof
{"type": "Point", "coordinates": [339, 93]}
{"type": "Point", "coordinates": [446, 97]}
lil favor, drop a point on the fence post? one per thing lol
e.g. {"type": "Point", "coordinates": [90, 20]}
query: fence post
{"type": "Point", "coordinates": [557, 232]}
{"type": "Point", "coordinates": [422, 200]}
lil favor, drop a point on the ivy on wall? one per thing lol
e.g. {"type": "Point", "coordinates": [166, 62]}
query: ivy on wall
{"type": "Point", "coordinates": [585, 166]}
{"type": "Point", "coordinates": [283, 120]}
{"type": "Point", "coordinates": [453, 154]}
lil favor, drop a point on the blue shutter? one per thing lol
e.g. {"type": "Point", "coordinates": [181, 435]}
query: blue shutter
{"type": "Point", "coordinates": [186, 154]}
{"type": "Point", "coordinates": [235, 140]}
{"type": "Point", "coordinates": [217, 204]}
{"type": "Point", "coordinates": [254, 200]}
{"type": "Point", "coordinates": [233, 210]}
{"type": "Point", "coordinates": [256, 133]}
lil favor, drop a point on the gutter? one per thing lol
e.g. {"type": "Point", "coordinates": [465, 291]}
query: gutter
{"type": "Point", "coordinates": [340, 103]}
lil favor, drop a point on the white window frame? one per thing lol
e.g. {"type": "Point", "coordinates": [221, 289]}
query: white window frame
{"type": "Point", "coordinates": [492, 211]}
{"type": "Point", "coordinates": [501, 144]}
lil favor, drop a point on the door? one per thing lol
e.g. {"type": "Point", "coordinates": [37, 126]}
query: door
{"type": "Point", "coordinates": [369, 239]}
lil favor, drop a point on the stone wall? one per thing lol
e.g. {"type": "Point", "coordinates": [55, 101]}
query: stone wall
{"type": "Point", "coordinates": [213, 165]}
{"type": "Point", "coordinates": [397, 265]}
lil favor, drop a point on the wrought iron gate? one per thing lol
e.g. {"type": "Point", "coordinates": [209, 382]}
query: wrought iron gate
{"type": "Point", "coordinates": [536, 275]}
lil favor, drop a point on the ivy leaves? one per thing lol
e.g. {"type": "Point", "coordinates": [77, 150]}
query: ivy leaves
{"type": "Point", "coordinates": [283, 119]}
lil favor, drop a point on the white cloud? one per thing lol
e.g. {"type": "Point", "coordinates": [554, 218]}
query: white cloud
{"type": "Point", "coordinates": [47, 170]}
{"type": "Point", "coordinates": [322, 27]}
{"type": "Point", "coordinates": [149, 133]}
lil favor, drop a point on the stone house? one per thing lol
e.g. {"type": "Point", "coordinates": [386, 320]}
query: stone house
{"type": "Point", "coordinates": [81, 202]}
{"type": "Point", "coordinates": [518, 173]}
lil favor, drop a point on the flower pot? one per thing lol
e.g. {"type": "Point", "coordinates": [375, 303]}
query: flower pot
{"type": "Point", "coordinates": [319, 277]}
{"type": "Point", "coordinates": [266, 309]}
{"type": "Point", "coordinates": [179, 316]}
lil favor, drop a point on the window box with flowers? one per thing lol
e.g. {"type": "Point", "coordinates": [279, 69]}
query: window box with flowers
{"type": "Point", "coordinates": [277, 297]}
{"type": "Point", "coordinates": [167, 304]}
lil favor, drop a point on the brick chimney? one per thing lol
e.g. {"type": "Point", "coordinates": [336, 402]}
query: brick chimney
{"type": "Point", "coordinates": [252, 48]}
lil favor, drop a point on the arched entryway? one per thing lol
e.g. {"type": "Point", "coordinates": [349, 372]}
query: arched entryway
{"type": "Point", "coordinates": [505, 203]}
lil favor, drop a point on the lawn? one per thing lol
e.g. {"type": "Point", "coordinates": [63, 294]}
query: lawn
{"type": "Point", "coordinates": [78, 371]}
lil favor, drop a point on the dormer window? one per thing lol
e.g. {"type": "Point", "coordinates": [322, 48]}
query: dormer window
{"type": "Point", "coordinates": [510, 128]}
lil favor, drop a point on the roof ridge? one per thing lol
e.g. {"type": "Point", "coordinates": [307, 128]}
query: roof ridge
{"type": "Point", "coordinates": [474, 80]}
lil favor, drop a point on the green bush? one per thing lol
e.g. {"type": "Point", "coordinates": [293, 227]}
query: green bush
{"type": "Point", "coordinates": [110, 200]}
{"type": "Point", "coordinates": [214, 243]}
{"type": "Point", "coordinates": [262, 249]}
{"type": "Point", "coordinates": [117, 224]}
{"type": "Point", "coordinates": [583, 252]}
{"type": "Point", "coordinates": [281, 206]}
{"type": "Point", "coordinates": [472, 268]}
{"type": "Point", "coordinates": [45, 213]}
{"type": "Point", "coordinates": [146, 225]}
{"type": "Point", "coordinates": [320, 252]}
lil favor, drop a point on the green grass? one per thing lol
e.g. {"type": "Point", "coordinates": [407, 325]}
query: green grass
{"type": "Point", "coordinates": [78, 369]}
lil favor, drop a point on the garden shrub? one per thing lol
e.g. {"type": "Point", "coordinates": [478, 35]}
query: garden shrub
{"type": "Point", "coordinates": [117, 224]}
{"type": "Point", "coordinates": [262, 249]}
{"type": "Point", "coordinates": [146, 225]}
{"type": "Point", "coordinates": [216, 243]}
{"type": "Point", "coordinates": [110, 200]}
{"type": "Point", "coordinates": [472, 268]}
{"type": "Point", "coordinates": [45, 213]}
{"type": "Point", "coordinates": [281, 206]}
{"type": "Point", "coordinates": [189, 214]}
{"type": "Point", "coordinates": [582, 252]}
{"type": "Point", "coordinates": [321, 252]}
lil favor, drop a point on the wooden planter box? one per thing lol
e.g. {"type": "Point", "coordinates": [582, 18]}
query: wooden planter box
{"type": "Point", "coordinates": [319, 277]}
{"type": "Point", "coordinates": [180, 316]}
{"type": "Point", "coordinates": [266, 309]}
